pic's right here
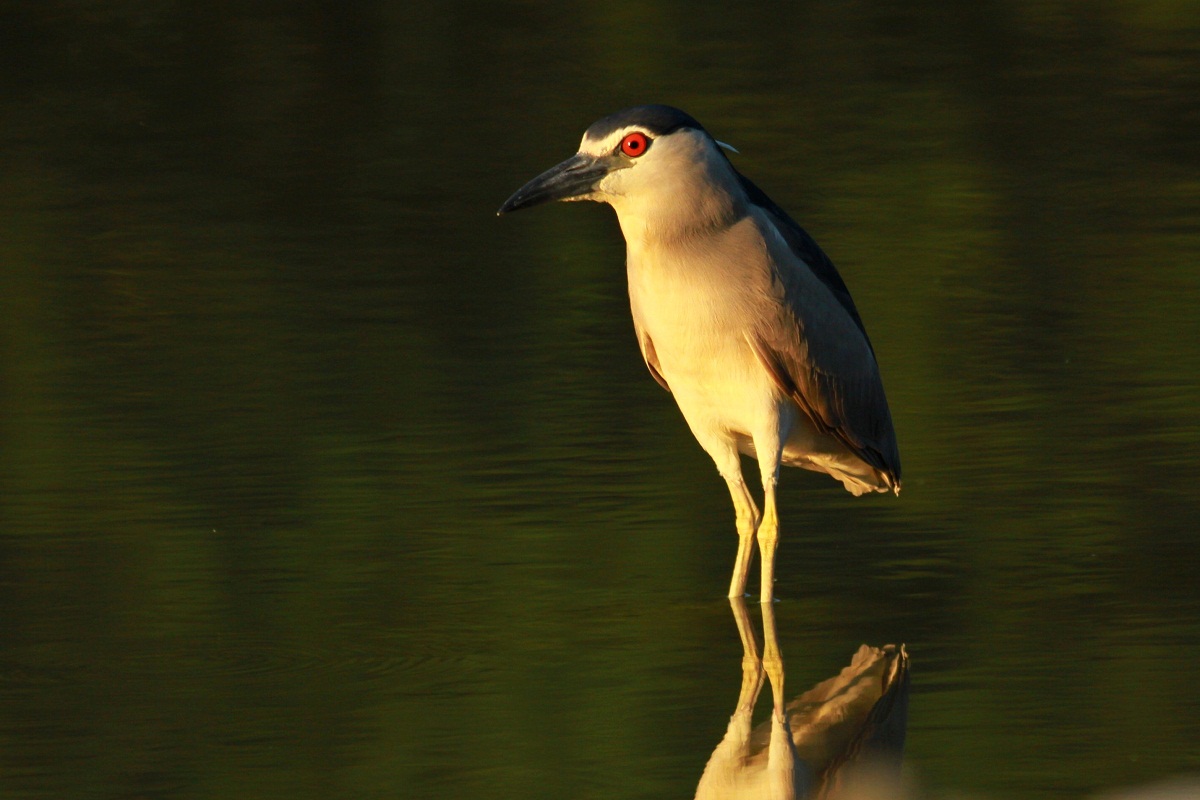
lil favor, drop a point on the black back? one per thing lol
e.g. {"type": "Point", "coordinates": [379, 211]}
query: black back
{"type": "Point", "coordinates": [654, 119]}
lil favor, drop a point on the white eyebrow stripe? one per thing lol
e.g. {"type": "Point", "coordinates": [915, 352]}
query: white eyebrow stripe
{"type": "Point", "coordinates": [610, 142]}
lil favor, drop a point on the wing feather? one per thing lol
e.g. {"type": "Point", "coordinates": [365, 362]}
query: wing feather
{"type": "Point", "coordinates": [649, 355]}
{"type": "Point", "coordinates": [816, 348]}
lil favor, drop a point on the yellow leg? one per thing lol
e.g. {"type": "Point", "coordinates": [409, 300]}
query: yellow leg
{"type": "Point", "coordinates": [747, 524]}
{"type": "Point", "coordinates": [768, 445]}
{"type": "Point", "coordinates": [729, 464]}
{"type": "Point", "coordinates": [768, 538]}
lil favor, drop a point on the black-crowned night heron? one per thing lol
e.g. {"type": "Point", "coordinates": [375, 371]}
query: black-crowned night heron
{"type": "Point", "coordinates": [738, 313]}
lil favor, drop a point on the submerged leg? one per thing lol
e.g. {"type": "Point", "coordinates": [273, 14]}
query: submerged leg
{"type": "Point", "coordinates": [781, 755]}
{"type": "Point", "coordinates": [752, 666]}
{"type": "Point", "coordinates": [772, 660]}
{"type": "Point", "coordinates": [727, 768]}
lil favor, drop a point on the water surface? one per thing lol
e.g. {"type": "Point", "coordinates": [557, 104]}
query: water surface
{"type": "Point", "coordinates": [318, 480]}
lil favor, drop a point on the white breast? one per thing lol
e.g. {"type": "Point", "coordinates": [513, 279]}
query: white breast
{"type": "Point", "coordinates": [695, 309]}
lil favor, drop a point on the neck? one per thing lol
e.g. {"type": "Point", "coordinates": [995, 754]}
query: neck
{"type": "Point", "coordinates": [678, 212]}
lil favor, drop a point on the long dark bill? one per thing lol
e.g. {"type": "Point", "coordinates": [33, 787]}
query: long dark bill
{"type": "Point", "coordinates": [576, 176]}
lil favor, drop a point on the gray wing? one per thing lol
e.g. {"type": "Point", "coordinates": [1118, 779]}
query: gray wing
{"type": "Point", "coordinates": [815, 347]}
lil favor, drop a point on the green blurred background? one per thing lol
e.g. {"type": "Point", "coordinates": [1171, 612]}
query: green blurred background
{"type": "Point", "coordinates": [319, 480]}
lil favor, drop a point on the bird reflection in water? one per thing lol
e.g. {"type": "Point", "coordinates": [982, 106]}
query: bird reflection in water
{"type": "Point", "coordinates": [843, 738]}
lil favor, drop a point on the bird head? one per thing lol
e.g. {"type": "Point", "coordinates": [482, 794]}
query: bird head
{"type": "Point", "coordinates": [640, 161]}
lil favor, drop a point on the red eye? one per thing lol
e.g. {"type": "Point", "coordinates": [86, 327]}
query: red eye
{"type": "Point", "coordinates": [634, 144]}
